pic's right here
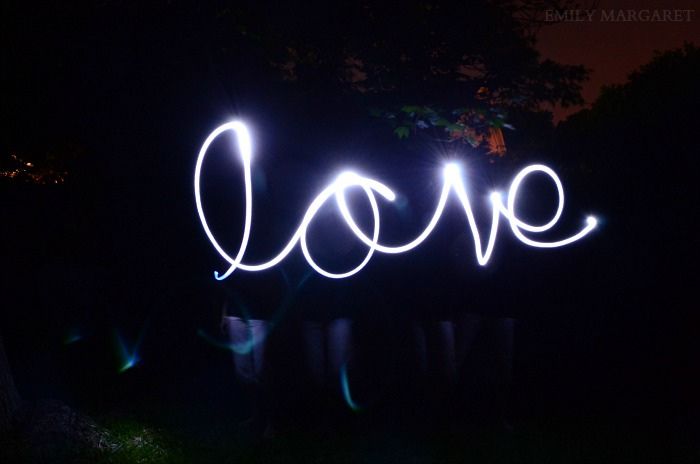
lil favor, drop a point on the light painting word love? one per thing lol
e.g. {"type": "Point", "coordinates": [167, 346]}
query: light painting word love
{"type": "Point", "coordinates": [452, 182]}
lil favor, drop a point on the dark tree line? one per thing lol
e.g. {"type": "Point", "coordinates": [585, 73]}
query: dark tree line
{"type": "Point", "coordinates": [448, 67]}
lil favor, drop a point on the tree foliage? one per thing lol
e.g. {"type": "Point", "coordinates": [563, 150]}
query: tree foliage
{"type": "Point", "coordinates": [653, 105]}
{"type": "Point", "coordinates": [640, 134]}
{"type": "Point", "coordinates": [457, 66]}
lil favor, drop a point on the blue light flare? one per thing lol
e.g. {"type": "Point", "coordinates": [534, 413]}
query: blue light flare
{"type": "Point", "coordinates": [72, 336]}
{"type": "Point", "coordinates": [345, 386]}
{"type": "Point", "coordinates": [128, 357]}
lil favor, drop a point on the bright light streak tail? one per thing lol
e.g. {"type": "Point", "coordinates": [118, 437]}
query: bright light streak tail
{"type": "Point", "coordinates": [452, 181]}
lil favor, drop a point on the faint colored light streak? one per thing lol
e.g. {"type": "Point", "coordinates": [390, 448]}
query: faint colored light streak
{"type": "Point", "coordinates": [345, 386]}
{"type": "Point", "coordinates": [128, 356]}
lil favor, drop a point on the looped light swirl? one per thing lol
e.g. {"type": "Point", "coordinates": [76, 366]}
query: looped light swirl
{"type": "Point", "coordinates": [452, 182]}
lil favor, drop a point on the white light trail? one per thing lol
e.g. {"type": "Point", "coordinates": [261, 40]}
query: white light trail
{"type": "Point", "coordinates": [452, 181]}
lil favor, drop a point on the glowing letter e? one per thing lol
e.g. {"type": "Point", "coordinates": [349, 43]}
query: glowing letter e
{"type": "Point", "coordinates": [452, 183]}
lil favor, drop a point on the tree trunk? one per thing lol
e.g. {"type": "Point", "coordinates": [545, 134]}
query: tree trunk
{"type": "Point", "coordinates": [9, 398]}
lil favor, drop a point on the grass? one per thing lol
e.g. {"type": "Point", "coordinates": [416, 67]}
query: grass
{"type": "Point", "coordinates": [132, 441]}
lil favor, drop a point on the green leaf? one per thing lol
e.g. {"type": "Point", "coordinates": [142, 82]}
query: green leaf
{"type": "Point", "coordinates": [410, 109]}
{"type": "Point", "coordinates": [402, 132]}
{"type": "Point", "coordinates": [441, 122]}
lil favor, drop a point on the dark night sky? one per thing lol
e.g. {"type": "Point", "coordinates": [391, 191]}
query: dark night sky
{"type": "Point", "coordinates": [612, 49]}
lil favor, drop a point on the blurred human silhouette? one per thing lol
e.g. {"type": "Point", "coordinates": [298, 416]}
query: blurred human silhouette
{"type": "Point", "coordinates": [247, 338]}
{"type": "Point", "coordinates": [466, 366]}
{"type": "Point", "coordinates": [328, 346]}
{"type": "Point", "coordinates": [323, 366]}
